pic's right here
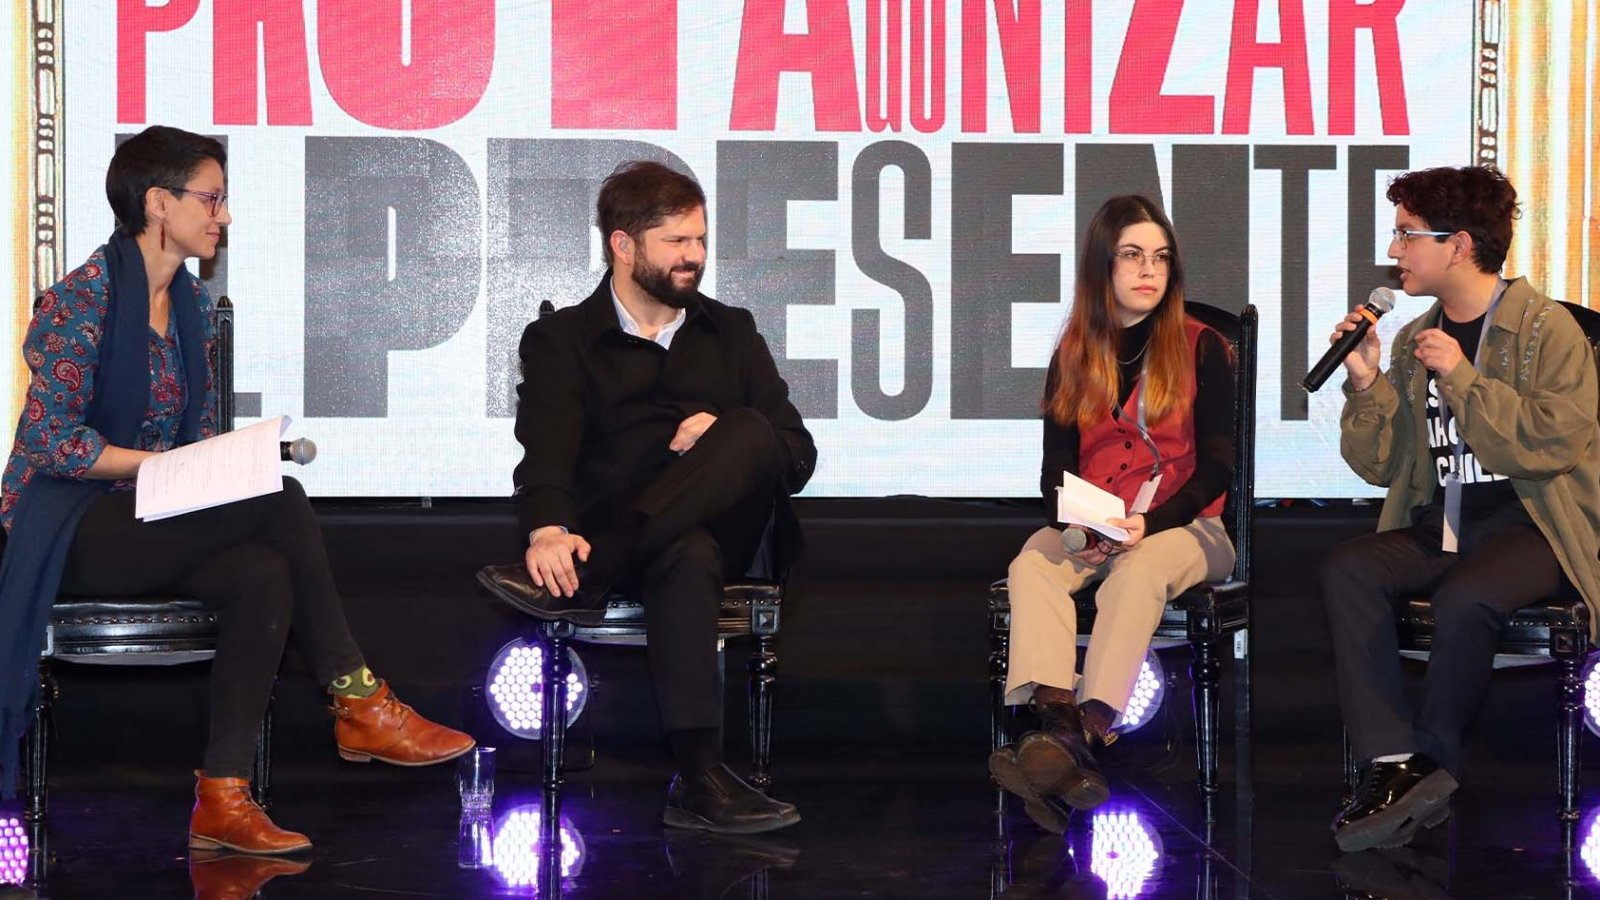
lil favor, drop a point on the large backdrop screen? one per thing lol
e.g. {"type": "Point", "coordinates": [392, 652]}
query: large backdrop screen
{"type": "Point", "coordinates": [896, 189]}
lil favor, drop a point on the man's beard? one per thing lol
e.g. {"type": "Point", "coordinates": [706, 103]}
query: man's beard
{"type": "Point", "coordinates": [658, 283]}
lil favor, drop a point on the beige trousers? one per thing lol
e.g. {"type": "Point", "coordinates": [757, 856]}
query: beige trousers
{"type": "Point", "coordinates": [1136, 586]}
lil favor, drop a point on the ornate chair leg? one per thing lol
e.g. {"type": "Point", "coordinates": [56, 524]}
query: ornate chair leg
{"type": "Point", "coordinates": [1569, 730]}
{"type": "Point", "coordinates": [999, 663]}
{"type": "Point", "coordinates": [763, 672]}
{"type": "Point", "coordinates": [38, 749]}
{"type": "Point", "coordinates": [261, 775]}
{"type": "Point", "coordinates": [553, 727]}
{"type": "Point", "coordinates": [1206, 672]}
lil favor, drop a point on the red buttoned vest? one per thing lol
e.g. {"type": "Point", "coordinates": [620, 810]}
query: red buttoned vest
{"type": "Point", "coordinates": [1113, 457]}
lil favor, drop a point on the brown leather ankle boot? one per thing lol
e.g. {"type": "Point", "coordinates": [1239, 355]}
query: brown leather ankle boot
{"type": "Point", "coordinates": [225, 816]}
{"type": "Point", "coordinates": [1058, 761]}
{"type": "Point", "coordinates": [381, 727]}
{"type": "Point", "coordinates": [224, 876]}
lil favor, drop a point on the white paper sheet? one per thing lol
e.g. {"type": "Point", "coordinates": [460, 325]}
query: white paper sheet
{"type": "Point", "coordinates": [234, 466]}
{"type": "Point", "coordinates": [1080, 503]}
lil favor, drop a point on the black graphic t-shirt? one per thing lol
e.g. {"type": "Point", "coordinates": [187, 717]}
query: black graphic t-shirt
{"type": "Point", "coordinates": [1482, 491]}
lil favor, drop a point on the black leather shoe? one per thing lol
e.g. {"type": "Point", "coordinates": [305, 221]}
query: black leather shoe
{"type": "Point", "coordinates": [718, 800]}
{"type": "Point", "coordinates": [1393, 800]}
{"type": "Point", "coordinates": [513, 585]}
{"type": "Point", "coordinates": [1059, 761]}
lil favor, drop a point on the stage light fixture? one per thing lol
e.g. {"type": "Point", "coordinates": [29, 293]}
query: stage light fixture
{"type": "Point", "coordinates": [1589, 850]}
{"type": "Point", "coordinates": [519, 845]}
{"type": "Point", "coordinates": [1591, 693]}
{"type": "Point", "coordinates": [13, 851]}
{"type": "Point", "coordinates": [515, 688]}
{"type": "Point", "coordinates": [1124, 852]}
{"type": "Point", "coordinates": [1149, 689]}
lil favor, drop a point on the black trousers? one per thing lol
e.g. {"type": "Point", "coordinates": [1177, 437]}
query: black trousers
{"type": "Point", "coordinates": [259, 563]}
{"type": "Point", "coordinates": [1505, 563]}
{"type": "Point", "coordinates": [699, 525]}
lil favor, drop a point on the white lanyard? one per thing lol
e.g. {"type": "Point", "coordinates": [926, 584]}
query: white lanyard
{"type": "Point", "coordinates": [1450, 539]}
{"type": "Point", "coordinates": [1147, 491]}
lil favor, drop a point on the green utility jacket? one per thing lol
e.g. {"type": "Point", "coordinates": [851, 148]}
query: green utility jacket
{"type": "Point", "coordinates": [1529, 412]}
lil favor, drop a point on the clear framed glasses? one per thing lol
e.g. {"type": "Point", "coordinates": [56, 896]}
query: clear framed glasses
{"type": "Point", "coordinates": [1404, 235]}
{"type": "Point", "coordinates": [214, 201]}
{"type": "Point", "coordinates": [1133, 259]}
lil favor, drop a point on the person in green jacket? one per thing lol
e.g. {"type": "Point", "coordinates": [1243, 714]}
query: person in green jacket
{"type": "Point", "coordinates": [1484, 431]}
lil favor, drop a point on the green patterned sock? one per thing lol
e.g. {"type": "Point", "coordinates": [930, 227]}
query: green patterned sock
{"type": "Point", "coordinates": [360, 683]}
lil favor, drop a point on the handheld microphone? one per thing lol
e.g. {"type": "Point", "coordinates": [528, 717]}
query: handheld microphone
{"type": "Point", "coordinates": [299, 450]}
{"type": "Point", "coordinates": [1074, 539]}
{"type": "Point", "coordinates": [1380, 301]}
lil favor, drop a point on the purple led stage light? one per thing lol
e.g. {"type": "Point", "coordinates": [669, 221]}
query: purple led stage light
{"type": "Point", "coordinates": [516, 691]}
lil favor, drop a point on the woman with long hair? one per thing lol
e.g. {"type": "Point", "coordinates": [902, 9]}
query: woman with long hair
{"type": "Point", "coordinates": [119, 353]}
{"type": "Point", "coordinates": [1139, 403]}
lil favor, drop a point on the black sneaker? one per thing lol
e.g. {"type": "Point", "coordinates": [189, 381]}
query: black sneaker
{"type": "Point", "coordinates": [513, 585]}
{"type": "Point", "coordinates": [1393, 800]}
{"type": "Point", "coordinates": [719, 801]}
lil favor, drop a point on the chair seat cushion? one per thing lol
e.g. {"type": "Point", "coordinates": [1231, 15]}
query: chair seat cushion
{"type": "Point", "coordinates": [156, 630]}
{"type": "Point", "coordinates": [1205, 610]}
{"type": "Point", "coordinates": [1543, 628]}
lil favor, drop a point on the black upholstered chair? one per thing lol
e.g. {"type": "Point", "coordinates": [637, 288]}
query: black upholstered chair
{"type": "Point", "coordinates": [143, 631]}
{"type": "Point", "coordinates": [750, 608]}
{"type": "Point", "coordinates": [1201, 616]}
{"type": "Point", "coordinates": [1554, 629]}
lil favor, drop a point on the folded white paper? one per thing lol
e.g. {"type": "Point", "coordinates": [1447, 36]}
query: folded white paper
{"type": "Point", "coordinates": [223, 469]}
{"type": "Point", "coordinates": [1080, 503]}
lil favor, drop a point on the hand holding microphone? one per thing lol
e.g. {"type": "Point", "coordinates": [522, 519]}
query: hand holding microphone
{"type": "Point", "coordinates": [1355, 344]}
{"type": "Point", "coordinates": [1079, 544]}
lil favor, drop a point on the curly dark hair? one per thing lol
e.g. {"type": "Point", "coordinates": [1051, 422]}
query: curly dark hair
{"type": "Point", "coordinates": [1475, 199]}
{"type": "Point", "coordinates": [158, 156]}
{"type": "Point", "coordinates": [638, 195]}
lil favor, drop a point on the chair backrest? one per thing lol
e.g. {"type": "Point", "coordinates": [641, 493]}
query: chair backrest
{"type": "Point", "coordinates": [1589, 321]}
{"type": "Point", "coordinates": [1239, 513]}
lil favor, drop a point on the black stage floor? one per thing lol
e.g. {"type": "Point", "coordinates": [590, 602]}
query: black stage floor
{"type": "Point", "coordinates": [880, 737]}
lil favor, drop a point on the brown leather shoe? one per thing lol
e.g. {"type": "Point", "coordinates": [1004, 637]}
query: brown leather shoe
{"type": "Point", "coordinates": [225, 816]}
{"type": "Point", "coordinates": [381, 727]}
{"type": "Point", "coordinates": [224, 876]}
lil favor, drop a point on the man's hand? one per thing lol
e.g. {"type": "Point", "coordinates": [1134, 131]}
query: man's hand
{"type": "Point", "coordinates": [689, 431]}
{"type": "Point", "coordinates": [550, 559]}
{"type": "Point", "coordinates": [1438, 351]}
{"type": "Point", "coordinates": [1134, 526]}
{"type": "Point", "coordinates": [1361, 363]}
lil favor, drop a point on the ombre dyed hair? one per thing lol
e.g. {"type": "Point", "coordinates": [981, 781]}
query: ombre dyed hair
{"type": "Point", "coordinates": [1085, 376]}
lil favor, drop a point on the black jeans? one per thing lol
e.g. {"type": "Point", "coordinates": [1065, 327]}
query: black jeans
{"type": "Point", "coordinates": [1505, 563]}
{"type": "Point", "coordinates": [259, 563]}
{"type": "Point", "coordinates": [702, 522]}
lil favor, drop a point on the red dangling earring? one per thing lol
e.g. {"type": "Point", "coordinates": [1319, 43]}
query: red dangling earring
{"type": "Point", "coordinates": [163, 235]}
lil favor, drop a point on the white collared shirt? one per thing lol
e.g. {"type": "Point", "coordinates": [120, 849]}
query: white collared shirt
{"type": "Point", "coordinates": [629, 326]}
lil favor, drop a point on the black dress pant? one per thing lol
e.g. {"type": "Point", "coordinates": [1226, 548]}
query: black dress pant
{"type": "Point", "coordinates": [700, 523]}
{"type": "Point", "coordinates": [259, 563]}
{"type": "Point", "coordinates": [1505, 563]}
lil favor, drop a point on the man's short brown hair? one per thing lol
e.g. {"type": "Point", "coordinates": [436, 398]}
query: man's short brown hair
{"type": "Point", "coordinates": [638, 195]}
